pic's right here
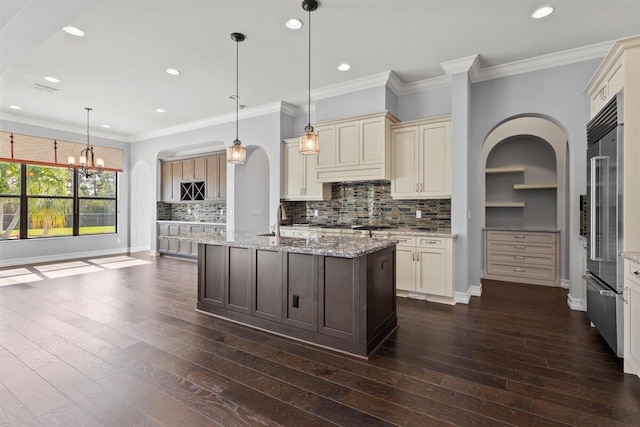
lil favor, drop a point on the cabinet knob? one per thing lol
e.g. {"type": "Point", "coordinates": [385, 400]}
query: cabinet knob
{"type": "Point", "coordinates": [636, 272]}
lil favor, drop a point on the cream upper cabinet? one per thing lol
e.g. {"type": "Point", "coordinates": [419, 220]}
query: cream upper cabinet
{"type": "Point", "coordinates": [355, 149]}
{"type": "Point", "coordinates": [421, 159]}
{"type": "Point", "coordinates": [300, 175]}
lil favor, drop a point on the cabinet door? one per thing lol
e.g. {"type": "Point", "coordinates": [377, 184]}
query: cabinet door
{"type": "Point", "coordinates": [163, 245]}
{"type": "Point", "coordinates": [222, 176]}
{"type": "Point", "coordinates": [199, 169]}
{"type": "Point", "coordinates": [167, 182]}
{"type": "Point", "coordinates": [212, 181]}
{"type": "Point", "coordinates": [314, 190]}
{"type": "Point", "coordinates": [404, 158]}
{"type": "Point", "coordinates": [435, 160]}
{"type": "Point", "coordinates": [327, 156]}
{"type": "Point", "coordinates": [632, 318]}
{"type": "Point", "coordinates": [294, 170]}
{"type": "Point", "coordinates": [405, 268]}
{"type": "Point", "coordinates": [347, 144]}
{"type": "Point", "coordinates": [184, 247]}
{"type": "Point", "coordinates": [372, 141]}
{"type": "Point", "coordinates": [238, 280]}
{"type": "Point", "coordinates": [213, 277]}
{"type": "Point", "coordinates": [176, 179]}
{"type": "Point", "coordinates": [432, 271]}
{"type": "Point", "coordinates": [187, 170]}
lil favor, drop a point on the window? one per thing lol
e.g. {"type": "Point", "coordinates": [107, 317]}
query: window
{"type": "Point", "coordinates": [55, 201]}
{"type": "Point", "coordinates": [97, 203]}
{"type": "Point", "coordinates": [10, 184]}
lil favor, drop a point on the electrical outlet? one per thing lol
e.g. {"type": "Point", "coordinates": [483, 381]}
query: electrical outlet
{"type": "Point", "coordinates": [221, 211]}
{"type": "Point", "coordinates": [296, 301]}
{"type": "Point", "coordinates": [315, 212]}
{"type": "Point", "coordinates": [418, 213]}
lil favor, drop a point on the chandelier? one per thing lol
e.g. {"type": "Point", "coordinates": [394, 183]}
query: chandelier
{"type": "Point", "coordinates": [87, 165]}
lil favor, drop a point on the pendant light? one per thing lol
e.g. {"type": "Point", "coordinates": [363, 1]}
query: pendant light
{"type": "Point", "coordinates": [87, 165]}
{"type": "Point", "coordinates": [236, 153]}
{"type": "Point", "coordinates": [309, 141]}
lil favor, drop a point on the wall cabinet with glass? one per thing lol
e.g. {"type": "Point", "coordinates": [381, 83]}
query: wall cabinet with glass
{"type": "Point", "coordinates": [300, 181]}
{"type": "Point", "coordinates": [179, 176]}
{"type": "Point", "coordinates": [421, 159]}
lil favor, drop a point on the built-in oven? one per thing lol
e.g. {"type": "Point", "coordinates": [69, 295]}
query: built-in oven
{"type": "Point", "coordinates": [604, 278]}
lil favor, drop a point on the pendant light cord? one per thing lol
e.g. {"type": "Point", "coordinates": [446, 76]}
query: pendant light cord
{"type": "Point", "coordinates": [237, 77]}
{"type": "Point", "coordinates": [88, 109]}
{"type": "Point", "coordinates": [309, 93]}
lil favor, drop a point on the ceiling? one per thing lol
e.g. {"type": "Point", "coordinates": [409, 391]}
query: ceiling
{"type": "Point", "coordinates": [118, 68]}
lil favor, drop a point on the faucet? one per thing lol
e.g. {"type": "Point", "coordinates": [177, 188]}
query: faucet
{"type": "Point", "coordinates": [280, 215]}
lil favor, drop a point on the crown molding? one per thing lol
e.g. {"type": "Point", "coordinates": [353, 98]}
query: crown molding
{"type": "Point", "coordinates": [61, 127]}
{"type": "Point", "coordinates": [461, 65]}
{"type": "Point", "coordinates": [372, 81]}
{"type": "Point", "coordinates": [275, 107]}
{"type": "Point", "coordinates": [611, 56]}
{"type": "Point", "coordinates": [542, 62]}
{"type": "Point", "coordinates": [288, 109]}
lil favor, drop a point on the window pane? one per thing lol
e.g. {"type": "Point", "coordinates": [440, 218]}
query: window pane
{"type": "Point", "coordinates": [50, 217]}
{"type": "Point", "coordinates": [9, 218]}
{"type": "Point", "coordinates": [9, 178]}
{"type": "Point", "coordinates": [49, 181]}
{"type": "Point", "coordinates": [103, 185]}
{"type": "Point", "coordinates": [97, 216]}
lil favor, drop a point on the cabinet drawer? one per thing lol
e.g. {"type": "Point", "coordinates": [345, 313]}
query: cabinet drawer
{"type": "Point", "coordinates": [521, 248]}
{"type": "Point", "coordinates": [403, 239]}
{"type": "Point", "coordinates": [431, 242]}
{"type": "Point", "coordinates": [515, 259]}
{"type": "Point", "coordinates": [519, 237]}
{"type": "Point", "coordinates": [522, 271]}
{"type": "Point", "coordinates": [632, 271]}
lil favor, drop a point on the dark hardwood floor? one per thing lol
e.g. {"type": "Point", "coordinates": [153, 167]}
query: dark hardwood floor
{"type": "Point", "coordinates": [126, 348]}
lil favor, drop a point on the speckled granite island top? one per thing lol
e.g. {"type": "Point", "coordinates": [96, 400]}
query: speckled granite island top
{"type": "Point", "coordinates": [342, 246]}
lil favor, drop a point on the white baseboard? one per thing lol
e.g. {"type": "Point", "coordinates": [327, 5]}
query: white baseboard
{"type": "Point", "coordinates": [465, 297]}
{"type": "Point", "coordinates": [565, 283]}
{"type": "Point", "coordinates": [578, 304]}
{"type": "Point", "coordinates": [139, 248]}
{"type": "Point", "coordinates": [62, 257]}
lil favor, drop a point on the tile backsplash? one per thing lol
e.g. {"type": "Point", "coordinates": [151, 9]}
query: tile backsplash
{"type": "Point", "coordinates": [370, 203]}
{"type": "Point", "coordinates": [205, 211]}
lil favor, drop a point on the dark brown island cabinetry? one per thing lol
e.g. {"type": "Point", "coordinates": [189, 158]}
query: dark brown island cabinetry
{"type": "Point", "coordinates": [346, 304]}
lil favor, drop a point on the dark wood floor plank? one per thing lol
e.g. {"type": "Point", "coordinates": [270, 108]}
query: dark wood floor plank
{"type": "Point", "coordinates": [518, 355]}
{"type": "Point", "coordinates": [14, 413]}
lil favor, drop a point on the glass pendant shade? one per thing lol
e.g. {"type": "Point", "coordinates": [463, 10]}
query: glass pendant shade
{"type": "Point", "coordinates": [236, 153]}
{"type": "Point", "coordinates": [309, 141]}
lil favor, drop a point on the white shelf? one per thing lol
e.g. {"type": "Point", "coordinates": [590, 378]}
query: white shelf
{"type": "Point", "coordinates": [509, 169]}
{"type": "Point", "coordinates": [505, 205]}
{"type": "Point", "coordinates": [533, 186]}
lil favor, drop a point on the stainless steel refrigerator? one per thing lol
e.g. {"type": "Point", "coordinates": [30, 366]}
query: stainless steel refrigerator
{"type": "Point", "coordinates": [604, 278]}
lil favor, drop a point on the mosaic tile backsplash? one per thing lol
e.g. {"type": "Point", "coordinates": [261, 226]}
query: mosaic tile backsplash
{"type": "Point", "coordinates": [208, 212]}
{"type": "Point", "coordinates": [370, 203]}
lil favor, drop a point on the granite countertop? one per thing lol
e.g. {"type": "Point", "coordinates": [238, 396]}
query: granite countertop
{"type": "Point", "coordinates": [191, 222]}
{"type": "Point", "coordinates": [343, 246]}
{"type": "Point", "coordinates": [429, 232]}
{"type": "Point", "coordinates": [632, 256]}
{"type": "Point", "coordinates": [524, 229]}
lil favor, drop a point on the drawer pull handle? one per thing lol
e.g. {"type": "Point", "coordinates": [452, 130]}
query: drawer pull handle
{"type": "Point", "coordinates": [518, 257]}
{"type": "Point", "coordinates": [519, 246]}
{"type": "Point", "coordinates": [519, 236]}
{"type": "Point", "coordinates": [432, 242]}
{"type": "Point", "coordinates": [519, 270]}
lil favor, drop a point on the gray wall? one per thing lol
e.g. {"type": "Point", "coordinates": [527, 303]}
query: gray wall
{"type": "Point", "coordinates": [557, 93]}
{"type": "Point", "coordinates": [16, 252]}
{"type": "Point", "coordinates": [252, 180]}
{"type": "Point", "coordinates": [365, 101]}
{"type": "Point", "coordinates": [429, 103]}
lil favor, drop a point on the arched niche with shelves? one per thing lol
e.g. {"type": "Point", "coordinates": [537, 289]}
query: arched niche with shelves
{"type": "Point", "coordinates": [521, 184]}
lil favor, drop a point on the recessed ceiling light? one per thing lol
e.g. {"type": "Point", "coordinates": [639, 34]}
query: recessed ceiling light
{"type": "Point", "coordinates": [172, 71]}
{"type": "Point", "coordinates": [15, 107]}
{"type": "Point", "coordinates": [160, 110]}
{"type": "Point", "coordinates": [542, 12]}
{"type": "Point", "coordinates": [52, 79]}
{"type": "Point", "coordinates": [344, 67]}
{"type": "Point", "coordinates": [106, 126]}
{"type": "Point", "coordinates": [294, 24]}
{"type": "Point", "coordinates": [74, 31]}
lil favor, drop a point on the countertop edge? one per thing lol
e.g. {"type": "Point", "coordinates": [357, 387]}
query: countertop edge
{"type": "Point", "coordinates": [190, 222]}
{"type": "Point", "coordinates": [523, 230]}
{"type": "Point", "coordinates": [632, 256]}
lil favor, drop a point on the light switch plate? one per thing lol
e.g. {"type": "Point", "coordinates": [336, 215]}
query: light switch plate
{"type": "Point", "coordinates": [418, 214]}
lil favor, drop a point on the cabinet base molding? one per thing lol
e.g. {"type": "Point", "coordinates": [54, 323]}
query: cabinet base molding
{"type": "Point", "coordinates": [578, 304]}
{"type": "Point", "coordinates": [425, 297]}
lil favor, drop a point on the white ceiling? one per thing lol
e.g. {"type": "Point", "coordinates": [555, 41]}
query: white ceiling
{"type": "Point", "coordinates": [118, 68]}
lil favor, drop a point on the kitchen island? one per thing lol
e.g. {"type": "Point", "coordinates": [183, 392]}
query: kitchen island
{"type": "Point", "coordinates": [335, 292]}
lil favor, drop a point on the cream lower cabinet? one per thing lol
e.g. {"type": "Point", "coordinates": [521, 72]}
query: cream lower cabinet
{"type": "Point", "coordinates": [421, 159]}
{"type": "Point", "coordinates": [632, 317]}
{"type": "Point", "coordinates": [424, 267]}
{"type": "Point", "coordinates": [300, 181]}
